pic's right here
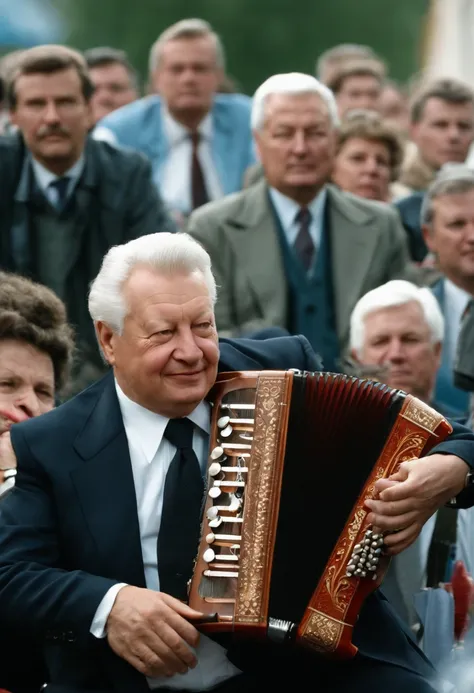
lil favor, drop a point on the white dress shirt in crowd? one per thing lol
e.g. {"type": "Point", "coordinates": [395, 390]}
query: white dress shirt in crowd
{"type": "Point", "coordinates": [455, 303]}
{"type": "Point", "coordinates": [44, 178]}
{"type": "Point", "coordinates": [175, 185]}
{"type": "Point", "coordinates": [151, 455]}
{"type": "Point", "coordinates": [287, 209]}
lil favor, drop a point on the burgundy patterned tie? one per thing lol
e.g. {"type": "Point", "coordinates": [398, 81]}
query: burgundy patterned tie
{"type": "Point", "coordinates": [198, 185]}
{"type": "Point", "coordinates": [304, 245]}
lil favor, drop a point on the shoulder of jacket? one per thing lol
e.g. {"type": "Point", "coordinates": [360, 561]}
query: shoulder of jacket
{"type": "Point", "coordinates": [131, 114]}
{"type": "Point", "coordinates": [218, 209]}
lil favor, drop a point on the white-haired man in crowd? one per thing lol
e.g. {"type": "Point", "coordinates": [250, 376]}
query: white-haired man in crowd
{"type": "Point", "coordinates": [397, 332]}
{"type": "Point", "coordinates": [291, 250]}
{"type": "Point", "coordinates": [199, 141]}
{"type": "Point", "coordinates": [98, 541]}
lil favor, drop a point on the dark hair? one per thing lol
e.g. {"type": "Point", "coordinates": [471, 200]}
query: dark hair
{"type": "Point", "coordinates": [32, 313]}
{"type": "Point", "coordinates": [369, 125]}
{"type": "Point", "coordinates": [104, 55]}
{"type": "Point", "coordinates": [46, 60]}
{"type": "Point", "coordinates": [359, 68]}
{"type": "Point", "coordinates": [451, 90]}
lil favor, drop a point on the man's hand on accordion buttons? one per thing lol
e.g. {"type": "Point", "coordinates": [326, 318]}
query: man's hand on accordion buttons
{"type": "Point", "coordinates": [408, 498]}
{"type": "Point", "coordinates": [152, 632]}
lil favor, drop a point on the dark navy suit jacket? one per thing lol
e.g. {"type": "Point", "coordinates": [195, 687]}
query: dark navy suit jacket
{"type": "Point", "coordinates": [69, 531]}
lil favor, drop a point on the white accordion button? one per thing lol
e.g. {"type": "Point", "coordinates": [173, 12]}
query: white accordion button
{"type": "Point", "coordinates": [210, 538]}
{"type": "Point", "coordinates": [214, 492]}
{"type": "Point", "coordinates": [223, 421]}
{"type": "Point", "coordinates": [217, 452]}
{"type": "Point", "coordinates": [225, 433]}
{"type": "Point", "coordinates": [209, 555]}
{"type": "Point", "coordinates": [212, 512]}
{"type": "Point", "coordinates": [214, 469]}
{"type": "Point", "coordinates": [215, 522]}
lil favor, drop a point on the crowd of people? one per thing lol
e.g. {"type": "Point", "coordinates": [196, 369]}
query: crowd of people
{"type": "Point", "coordinates": [161, 232]}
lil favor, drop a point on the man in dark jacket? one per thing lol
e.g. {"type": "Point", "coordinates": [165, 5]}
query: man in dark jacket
{"type": "Point", "coordinates": [98, 539]}
{"type": "Point", "coordinates": [65, 198]}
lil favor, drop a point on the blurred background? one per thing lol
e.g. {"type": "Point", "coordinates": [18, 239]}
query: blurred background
{"type": "Point", "coordinates": [262, 37]}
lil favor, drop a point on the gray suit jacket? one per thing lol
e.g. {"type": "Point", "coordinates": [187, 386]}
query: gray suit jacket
{"type": "Point", "coordinates": [368, 244]}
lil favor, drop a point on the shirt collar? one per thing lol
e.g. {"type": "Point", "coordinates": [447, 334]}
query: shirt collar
{"type": "Point", "coordinates": [176, 132]}
{"type": "Point", "coordinates": [44, 178]}
{"type": "Point", "coordinates": [287, 209]}
{"type": "Point", "coordinates": [456, 294]}
{"type": "Point", "coordinates": [147, 428]}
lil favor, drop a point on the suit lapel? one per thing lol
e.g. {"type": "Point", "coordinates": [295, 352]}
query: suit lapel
{"type": "Point", "coordinates": [221, 143]}
{"type": "Point", "coordinates": [106, 490]}
{"type": "Point", "coordinates": [354, 237]}
{"type": "Point", "coordinates": [257, 249]}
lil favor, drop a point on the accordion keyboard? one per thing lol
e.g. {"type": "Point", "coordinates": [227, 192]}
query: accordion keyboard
{"type": "Point", "coordinates": [226, 486]}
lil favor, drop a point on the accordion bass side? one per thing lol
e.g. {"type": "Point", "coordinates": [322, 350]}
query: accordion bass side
{"type": "Point", "coordinates": [286, 552]}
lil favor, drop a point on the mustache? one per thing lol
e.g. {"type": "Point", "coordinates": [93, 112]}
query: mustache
{"type": "Point", "coordinates": [47, 130]}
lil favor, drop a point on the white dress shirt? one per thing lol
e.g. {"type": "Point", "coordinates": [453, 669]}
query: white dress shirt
{"type": "Point", "coordinates": [456, 301]}
{"type": "Point", "coordinates": [44, 178]}
{"type": "Point", "coordinates": [175, 184]}
{"type": "Point", "coordinates": [151, 455]}
{"type": "Point", "coordinates": [287, 210]}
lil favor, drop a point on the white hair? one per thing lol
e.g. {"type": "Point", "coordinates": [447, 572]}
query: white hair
{"type": "Point", "coordinates": [397, 292]}
{"type": "Point", "coordinates": [186, 28]}
{"type": "Point", "coordinates": [167, 253]}
{"type": "Point", "coordinates": [291, 83]}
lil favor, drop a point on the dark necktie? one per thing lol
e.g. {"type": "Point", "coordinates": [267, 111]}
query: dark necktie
{"type": "Point", "coordinates": [304, 245]}
{"type": "Point", "coordinates": [198, 185]}
{"type": "Point", "coordinates": [179, 533]}
{"type": "Point", "coordinates": [61, 186]}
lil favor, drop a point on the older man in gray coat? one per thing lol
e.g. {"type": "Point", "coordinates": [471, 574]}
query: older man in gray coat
{"type": "Point", "coordinates": [291, 250]}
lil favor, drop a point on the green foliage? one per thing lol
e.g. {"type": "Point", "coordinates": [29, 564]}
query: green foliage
{"type": "Point", "coordinates": [261, 37]}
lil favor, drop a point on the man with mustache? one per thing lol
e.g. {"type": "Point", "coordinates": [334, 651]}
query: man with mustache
{"type": "Point", "coordinates": [65, 198]}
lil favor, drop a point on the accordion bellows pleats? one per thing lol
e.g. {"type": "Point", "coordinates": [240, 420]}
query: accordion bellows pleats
{"type": "Point", "coordinates": [286, 552]}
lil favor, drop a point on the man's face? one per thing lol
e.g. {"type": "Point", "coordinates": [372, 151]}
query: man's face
{"type": "Point", "coordinates": [400, 339]}
{"type": "Point", "coordinates": [166, 358]}
{"type": "Point", "coordinates": [362, 167]}
{"type": "Point", "coordinates": [451, 236]}
{"type": "Point", "coordinates": [445, 132]}
{"type": "Point", "coordinates": [359, 92]}
{"type": "Point", "coordinates": [53, 116]}
{"type": "Point", "coordinates": [26, 381]}
{"type": "Point", "coordinates": [296, 143]}
{"type": "Point", "coordinates": [113, 88]}
{"type": "Point", "coordinates": [394, 109]}
{"type": "Point", "coordinates": [187, 75]}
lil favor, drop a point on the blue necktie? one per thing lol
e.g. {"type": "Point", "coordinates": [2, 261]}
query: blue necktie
{"type": "Point", "coordinates": [61, 186]}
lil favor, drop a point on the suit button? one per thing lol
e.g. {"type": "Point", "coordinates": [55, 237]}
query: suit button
{"type": "Point", "coordinates": [70, 637]}
{"type": "Point", "coordinates": [311, 309]}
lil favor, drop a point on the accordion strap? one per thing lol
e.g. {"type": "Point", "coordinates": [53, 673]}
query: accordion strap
{"type": "Point", "coordinates": [441, 546]}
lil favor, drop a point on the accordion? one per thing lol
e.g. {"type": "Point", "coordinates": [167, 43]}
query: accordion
{"type": "Point", "coordinates": [286, 553]}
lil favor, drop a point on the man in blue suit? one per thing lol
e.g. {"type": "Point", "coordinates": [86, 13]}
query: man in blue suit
{"type": "Point", "coordinates": [199, 141]}
{"type": "Point", "coordinates": [92, 539]}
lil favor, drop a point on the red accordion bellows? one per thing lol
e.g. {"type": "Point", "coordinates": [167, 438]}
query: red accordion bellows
{"type": "Point", "coordinates": [286, 552]}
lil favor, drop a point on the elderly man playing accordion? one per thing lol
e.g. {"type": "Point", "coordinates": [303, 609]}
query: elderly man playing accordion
{"type": "Point", "coordinates": [93, 538]}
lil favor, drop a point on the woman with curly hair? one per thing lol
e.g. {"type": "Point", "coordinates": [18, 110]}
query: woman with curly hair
{"type": "Point", "coordinates": [369, 155]}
